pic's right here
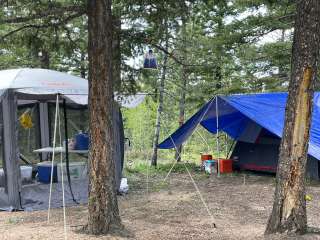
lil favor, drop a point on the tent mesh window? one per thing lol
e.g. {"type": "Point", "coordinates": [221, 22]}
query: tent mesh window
{"type": "Point", "coordinates": [77, 119]}
{"type": "Point", "coordinates": [29, 138]}
{"type": "Point", "coordinates": [2, 178]}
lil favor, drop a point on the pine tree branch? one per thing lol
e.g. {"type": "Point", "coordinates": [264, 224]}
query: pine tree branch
{"type": "Point", "coordinates": [37, 26]}
{"type": "Point", "coordinates": [56, 12]}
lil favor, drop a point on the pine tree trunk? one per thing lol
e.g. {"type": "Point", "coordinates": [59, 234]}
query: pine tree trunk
{"type": "Point", "coordinates": [182, 106]}
{"type": "Point", "coordinates": [116, 52]}
{"type": "Point", "coordinates": [82, 65]}
{"type": "Point", "coordinates": [82, 112]}
{"type": "Point", "coordinates": [102, 203]}
{"type": "Point", "coordinates": [184, 79]}
{"type": "Point", "coordinates": [289, 208]}
{"type": "Point", "coordinates": [45, 59]}
{"type": "Point", "coordinates": [154, 158]}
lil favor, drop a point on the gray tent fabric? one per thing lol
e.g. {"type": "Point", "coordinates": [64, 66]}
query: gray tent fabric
{"type": "Point", "coordinates": [42, 86]}
{"type": "Point", "coordinates": [118, 143]}
{"type": "Point", "coordinates": [36, 196]}
{"type": "Point", "coordinates": [2, 92]}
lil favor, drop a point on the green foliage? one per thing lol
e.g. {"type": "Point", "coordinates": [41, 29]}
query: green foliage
{"type": "Point", "coordinates": [162, 168]}
{"type": "Point", "coordinates": [225, 47]}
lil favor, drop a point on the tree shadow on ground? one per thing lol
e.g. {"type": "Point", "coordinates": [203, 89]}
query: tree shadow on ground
{"type": "Point", "coordinates": [312, 233]}
{"type": "Point", "coordinates": [313, 230]}
{"type": "Point", "coordinates": [115, 231]}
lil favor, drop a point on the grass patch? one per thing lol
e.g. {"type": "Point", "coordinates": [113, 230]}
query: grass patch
{"type": "Point", "coordinates": [159, 186]}
{"type": "Point", "coordinates": [14, 220]}
{"type": "Point", "coordinates": [143, 168]}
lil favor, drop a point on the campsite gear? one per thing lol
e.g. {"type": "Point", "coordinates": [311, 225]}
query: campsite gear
{"type": "Point", "coordinates": [78, 170]}
{"type": "Point", "coordinates": [26, 174]}
{"type": "Point", "coordinates": [44, 172]}
{"type": "Point", "coordinates": [308, 197]}
{"type": "Point", "coordinates": [82, 141]}
{"type": "Point", "coordinates": [71, 144]}
{"type": "Point", "coordinates": [208, 166]}
{"type": "Point", "coordinates": [204, 157]}
{"type": "Point", "coordinates": [26, 121]}
{"type": "Point", "coordinates": [256, 122]}
{"type": "Point", "coordinates": [39, 87]}
{"type": "Point", "coordinates": [124, 187]}
{"type": "Point", "coordinates": [150, 61]}
{"type": "Point", "coordinates": [225, 165]}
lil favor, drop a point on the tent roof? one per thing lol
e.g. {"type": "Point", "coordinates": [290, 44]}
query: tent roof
{"type": "Point", "coordinates": [238, 114]}
{"type": "Point", "coordinates": [36, 83]}
{"type": "Point", "coordinates": [42, 81]}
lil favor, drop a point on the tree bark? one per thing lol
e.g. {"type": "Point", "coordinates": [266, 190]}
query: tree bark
{"type": "Point", "coordinates": [182, 106]}
{"type": "Point", "coordinates": [116, 47]}
{"type": "Point", "coordinates": [83, 74]}
{"type": "Point", "coordinates": [184, 80]}
{"type": "Point", "coordinates": [154, 158]}
{"type": "Point", "coordinates": [45, 59]}
{"type": "Point", "coordinates": [289, 208]}
{"type": "Point", "coordinates": [102, 203]}
{"type": "Point", "coordinates": [11, 150]}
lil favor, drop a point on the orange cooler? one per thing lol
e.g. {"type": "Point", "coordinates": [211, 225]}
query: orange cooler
{"type": "Point", "coordinates": [225, 165]}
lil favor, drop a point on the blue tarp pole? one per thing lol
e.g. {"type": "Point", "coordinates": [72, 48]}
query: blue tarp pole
{"type": "Point", "coordinates": [217, 136]}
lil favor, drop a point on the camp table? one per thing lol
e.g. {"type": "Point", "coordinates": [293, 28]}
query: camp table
{"type": "Point", "coordinates": [59, 150]}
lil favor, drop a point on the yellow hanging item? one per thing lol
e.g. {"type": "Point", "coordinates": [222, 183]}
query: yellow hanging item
{"type": "Point", "coordinates": [26, 121]}
{"type": "Point", "coordinates": [308, 197]}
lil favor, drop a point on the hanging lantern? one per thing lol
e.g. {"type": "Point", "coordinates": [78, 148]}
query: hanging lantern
{"type": "Point", "coordinates": [150, 61]}
{"type": "Point", "coordinates": [26, 121]}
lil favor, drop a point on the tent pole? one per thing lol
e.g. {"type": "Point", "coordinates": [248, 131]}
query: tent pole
{"type": "Point", "coordinates": [53, 154]}
{"type": "Point", "coordinates": [44, 128]}
{"type": "Point", "coordinates": [217, 137]}
{"type": "Point", "coordinates": [67, 148]}
{"type": "Point", "coordinates": [226, 145]}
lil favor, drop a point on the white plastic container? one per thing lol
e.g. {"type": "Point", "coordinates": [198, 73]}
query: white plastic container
{"type": "Point", "coordinates": [124, 188]}
{"type": "Point", "coordinates": [2, 179]}
{"type": "Point", "coordinates": [26, 173]}
{"type": "Point", "coordinates": [78, 170]}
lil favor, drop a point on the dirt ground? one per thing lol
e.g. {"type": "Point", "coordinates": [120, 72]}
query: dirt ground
{"type": "Point", "coordinates": [239, 205]}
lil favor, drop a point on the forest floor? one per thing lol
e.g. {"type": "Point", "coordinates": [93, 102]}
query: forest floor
{"type": "Point", "coordinates": [240, 205]}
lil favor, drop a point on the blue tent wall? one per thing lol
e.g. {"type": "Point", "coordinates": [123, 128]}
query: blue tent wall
{"type": "Point", "coordinates": [238, 112]}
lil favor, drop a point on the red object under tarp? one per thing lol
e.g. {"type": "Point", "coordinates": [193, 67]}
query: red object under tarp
{"type": "Point", "coordinates": [225, 165]}
{"type": "Point", "coordinates": [205, 157]}
{"type": "Point", "coordinates": [258, 168]}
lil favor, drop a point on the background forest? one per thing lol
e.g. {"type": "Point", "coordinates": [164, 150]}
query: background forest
{"type": "Point", "coordinates": [203, 48]}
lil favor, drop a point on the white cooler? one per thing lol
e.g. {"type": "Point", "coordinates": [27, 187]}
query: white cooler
{"type": "Point", "coordinates": [26, 175]}
{"type": "Point", "coordinates": [78, 170]}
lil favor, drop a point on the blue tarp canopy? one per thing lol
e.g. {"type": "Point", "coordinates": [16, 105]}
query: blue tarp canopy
{"type": "Point", "coordinates": [242, 117]}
